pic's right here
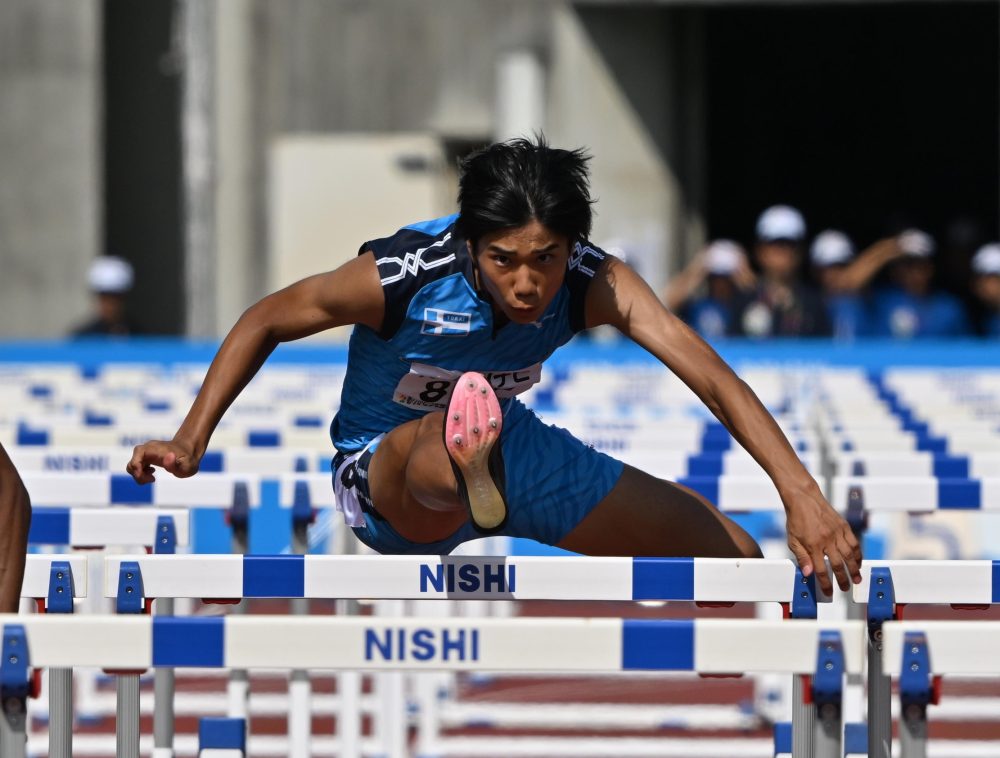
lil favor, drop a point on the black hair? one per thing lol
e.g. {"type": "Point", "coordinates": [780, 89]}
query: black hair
{"type": "Point", "coordinates": [508, 184]}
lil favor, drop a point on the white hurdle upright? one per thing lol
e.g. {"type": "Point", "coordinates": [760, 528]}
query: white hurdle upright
{"type": "Point", "coordinates": [54, 582]}
{"type": "Point", "coordinates": [888, 586]}
{"type": "Point", "coordinates": [477, 578]}
{"type": "Point", "coordinates": [533, 645]}
{"type": "Point", "coordinates": [918, 653]}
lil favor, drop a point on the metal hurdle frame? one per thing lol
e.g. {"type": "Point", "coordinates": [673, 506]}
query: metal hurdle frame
{"type": "Point", "coordinates": [160, 529]}
{"type": "Point", "coordinates": [887, 587]}
{"type": "Point", "coordinates": [54, 582]}
{"type": "Point", "coordinates": [487, 578]}
{"type": "Point", "coordinates": [825, 650]}
{"type": "Point", "coordinates": [919, 653]}
{"type": "Point", "coordinates": [91, 494]}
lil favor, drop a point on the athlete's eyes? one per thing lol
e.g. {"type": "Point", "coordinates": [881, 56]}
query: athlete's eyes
{"type": "Point", "coordinates": [500, 260]}
{"type": "Point", "coordinates": [546, 258]}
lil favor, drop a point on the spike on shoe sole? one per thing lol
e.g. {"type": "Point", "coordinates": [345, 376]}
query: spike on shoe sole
{"type": "Point", "coordinates": [471, 436]}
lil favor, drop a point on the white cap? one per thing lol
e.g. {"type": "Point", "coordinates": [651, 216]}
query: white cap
{"type": "Point", "coordinates": [781, 222]}
{"type": "Point", "coordinates": [110, 274]}
{"type": "Point", "coordinates": [831, 248]}
{"type": "Point", "coordinates": [916, 243]}
{"type": "Point", "coordinates": [723, 257]}
{"type": "Point", "coordinates": [987, 259]}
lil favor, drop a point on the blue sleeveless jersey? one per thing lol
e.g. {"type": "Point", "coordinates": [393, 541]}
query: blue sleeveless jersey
{"type": "Point", "coordinates": [436, 326]}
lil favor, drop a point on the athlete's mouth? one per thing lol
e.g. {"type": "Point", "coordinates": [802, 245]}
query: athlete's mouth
{"type": "Point", "coordinates": [524, 312]}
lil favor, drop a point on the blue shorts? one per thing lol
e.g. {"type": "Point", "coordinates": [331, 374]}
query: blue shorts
{"type": "Point", "coordinates": [553, 482]}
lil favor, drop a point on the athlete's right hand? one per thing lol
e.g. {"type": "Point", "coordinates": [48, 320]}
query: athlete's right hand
{"type": "Point", "coordinates": [174, 457]}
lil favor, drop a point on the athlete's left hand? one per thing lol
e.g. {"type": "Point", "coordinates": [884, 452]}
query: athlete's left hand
{"type": "Point", "coordinates": [816, 530]}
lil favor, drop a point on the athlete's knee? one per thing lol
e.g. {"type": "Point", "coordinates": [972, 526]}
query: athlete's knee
{"type": "Point", "coordinates": [746, 545]}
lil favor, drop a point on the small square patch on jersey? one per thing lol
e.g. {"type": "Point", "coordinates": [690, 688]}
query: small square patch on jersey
{"type": "Point", "coordinates": [442, 323]}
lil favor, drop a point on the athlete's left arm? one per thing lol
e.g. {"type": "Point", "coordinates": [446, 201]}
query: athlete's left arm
{"type": "Point", "coordinates": [618, 296]}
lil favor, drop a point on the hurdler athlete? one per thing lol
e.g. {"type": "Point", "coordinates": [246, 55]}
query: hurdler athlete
{"type": "Point", "coordinates": [431, 453]}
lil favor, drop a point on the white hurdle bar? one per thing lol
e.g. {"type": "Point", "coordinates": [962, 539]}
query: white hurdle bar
{"type": "Point", "coordinates": [118, 526]}
{"type": "Point", "coordinates": [706, 580]}
{"type": "Point", "coordinates": [40, 584]}
{"type": "Point", "coordinates": [261, 461]}
{"type": "Point", "coordinates": [918, 653]}
{"type": "Point", "coordinates": [708, 646]}
{"type": "Point", "coordinates": [709, 580]}
{"type": "Point", "coordinates": [915, 494]}
{"type": "Point", "coordinates": [206, 490]}
{"type": "Point", "coordinates": [550, 645]}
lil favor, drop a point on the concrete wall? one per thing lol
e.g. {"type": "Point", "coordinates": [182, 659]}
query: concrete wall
{"type": "Point", "coordinates": [345, 66]}
{"type": "Point", "coordinates": [50, 180]}
{"type": "Point", "coordinates": [339, 66]}
{"type": "Point", "coordinates": [392, 66]}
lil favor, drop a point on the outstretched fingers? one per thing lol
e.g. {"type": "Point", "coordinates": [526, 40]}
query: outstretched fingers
{"type": "Point", "coordinates": [844, 555]}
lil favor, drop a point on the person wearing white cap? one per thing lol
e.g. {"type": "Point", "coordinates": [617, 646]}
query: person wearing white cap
{"type": "Point", "coordinates": [723, 268]}
{"type": "Point", "coordinates": [842, 277]}
{"type": "Point", "coordinates": [110, 279]}
{"type": "Point", "coordinates": [986, 286]}
{"type": "Point", "coordinates": [781, 305]}
{"type": "Point", "coordinates": [911, 307]}
{"type": "Point", "coordinates": [831, 253]}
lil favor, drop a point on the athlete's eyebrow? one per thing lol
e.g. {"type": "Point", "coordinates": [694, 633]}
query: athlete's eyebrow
{"type": "Point", "coordinates": [504, 251]}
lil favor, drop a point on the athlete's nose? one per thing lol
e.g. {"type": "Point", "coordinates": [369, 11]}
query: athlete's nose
{"type": "Point", "coordinates": [524, 284]}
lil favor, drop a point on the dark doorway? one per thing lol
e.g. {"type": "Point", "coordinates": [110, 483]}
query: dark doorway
{"type": "Point", "coordinates": [866, 117]}
{"type": "Point", "coordinates": [142, 157]}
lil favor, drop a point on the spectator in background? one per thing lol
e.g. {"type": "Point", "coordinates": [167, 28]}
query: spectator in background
{"type": "Point", "coordinates": [15, 518]}
{"type": "Point", "coordinates": [986, 286]}
{"type": "Point", "coordinates": [781, 305]}
{"type": "Point", "coordinates": [110, 279]}
{"type": "Point", "coordinates": [830, 254]}
{"type": "Point", "coordinates": [911, 307]}
{"type": "Point", "coordinates": [724, 270]}
{"type": "Point", "coordinates": [843, 278]}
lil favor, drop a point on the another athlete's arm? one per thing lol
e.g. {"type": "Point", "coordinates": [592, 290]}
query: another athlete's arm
{"type": "Point", "coordinates": [618, 296]}
{"type": "Point", "coordinates": [15, 518]}
{"type": "Point", "coordinates": [350, 295]}
{"type": "Point", "coordinates": [859, 272]}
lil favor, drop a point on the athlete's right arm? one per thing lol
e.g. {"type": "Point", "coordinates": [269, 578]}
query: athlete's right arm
{"type": "Point", "coordinates": [352, 294]}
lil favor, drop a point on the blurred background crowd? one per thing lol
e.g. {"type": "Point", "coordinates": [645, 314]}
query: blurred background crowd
{"type": "Point", "coordinates": [793, 284]}
{"type": "Point", "coordinates": [168, 163]}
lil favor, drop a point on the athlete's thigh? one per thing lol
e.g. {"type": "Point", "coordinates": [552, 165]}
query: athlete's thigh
{"type": "Point", "coordinates": [646, 516]}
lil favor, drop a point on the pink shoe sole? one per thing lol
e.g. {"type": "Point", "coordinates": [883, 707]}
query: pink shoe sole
{"type": "Point", "coordinates": [471, 437]}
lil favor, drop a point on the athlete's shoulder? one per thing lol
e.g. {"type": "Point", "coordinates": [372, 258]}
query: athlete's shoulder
{"type": "Point", "coordinates": [413, 258]}
{"type": "Point", "coordinates": [585, 260]}
{"type": "Point", "coordinates": [433, 234]}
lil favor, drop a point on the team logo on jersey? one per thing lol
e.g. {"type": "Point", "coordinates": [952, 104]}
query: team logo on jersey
{"type": "Point", "coordinates": [446, 323]}
{"type": "Point", "coordinates": [579, 254]}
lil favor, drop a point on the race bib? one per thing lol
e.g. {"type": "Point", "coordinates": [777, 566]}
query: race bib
{"type": "Point", "coordinates": [429, 387]}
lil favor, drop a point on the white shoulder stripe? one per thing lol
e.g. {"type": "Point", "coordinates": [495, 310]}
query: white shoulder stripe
{"type": "Point", "coordinates": [576, 259]}
{"type": "Point", "coordinates": [411, 263]}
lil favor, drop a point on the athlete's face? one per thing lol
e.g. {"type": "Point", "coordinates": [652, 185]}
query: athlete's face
{"type": "Point", "coordinates": [522, 269]}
